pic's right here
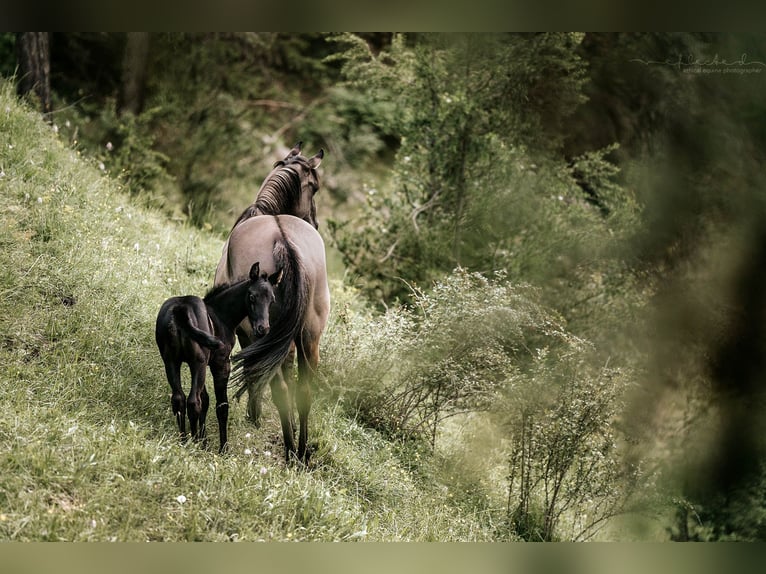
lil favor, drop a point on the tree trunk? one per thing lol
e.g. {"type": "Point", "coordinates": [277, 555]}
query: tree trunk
{"type": "Point", "coordinates": [33, 55]}
{"type": "Point", "coordinates": [134, 66]}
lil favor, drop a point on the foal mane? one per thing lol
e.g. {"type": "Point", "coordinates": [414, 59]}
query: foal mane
{"type": "Point", "coordinates": [218, 290]}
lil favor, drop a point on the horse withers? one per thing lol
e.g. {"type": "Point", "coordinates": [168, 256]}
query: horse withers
{"type": "Point", "coordinates": [297, 319]}
{"type": "Point", "coordinates": [200, 332]}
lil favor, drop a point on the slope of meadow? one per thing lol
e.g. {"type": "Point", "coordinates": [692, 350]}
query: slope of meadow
{"type": "Point", "coordinates": [88, 449]}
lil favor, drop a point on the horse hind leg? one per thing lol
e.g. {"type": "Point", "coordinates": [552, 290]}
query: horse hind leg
{"type": "Point", "coordinates": [308, 360]}
{"type": "Point", "coordinates": [288, 376]}
{"type": "Point", "coordinates": [254, 398]}
{"type": "Point", "coordinates": [177, 398]}
{"type": "Point", "coordinates": [280, 395]}
{"type": "Point", "coordinates": [255, 405]}
{"type": "Point", "coordinates": [195, 400]}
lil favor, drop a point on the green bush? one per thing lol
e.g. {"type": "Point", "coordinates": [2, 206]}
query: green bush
{"type": "Point", "coordinates": [568, 473]}
{"type": "Point", "coordinates": [473, 344]}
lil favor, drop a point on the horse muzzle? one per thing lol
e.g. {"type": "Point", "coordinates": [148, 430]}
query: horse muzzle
{"type": "Point", "coordinates": [260, 331]}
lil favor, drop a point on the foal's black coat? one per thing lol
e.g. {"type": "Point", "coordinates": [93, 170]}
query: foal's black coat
{"type": "Point", "coordinates": [200, 332]}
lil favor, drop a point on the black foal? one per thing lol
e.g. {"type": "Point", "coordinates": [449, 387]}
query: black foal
{"type": "Point", "coordinates": [200, 332]}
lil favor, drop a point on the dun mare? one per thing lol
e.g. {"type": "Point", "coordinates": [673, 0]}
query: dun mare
{"type": "Point", "coordinates": [289, 189]}
{"type": "Point", "coordinates": [200, 332]}
{"type": "Point", "coordinates": [298, 317]}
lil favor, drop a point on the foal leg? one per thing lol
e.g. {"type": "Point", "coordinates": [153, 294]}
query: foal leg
{"type": "Point", "coordinates": [194, 400]}
{"type": "Point", "coordinates": [177, 399]}
{"type": "Point", "coordinates": [203, 416]}
{"type": "Point", "coordinates": [221, 370]}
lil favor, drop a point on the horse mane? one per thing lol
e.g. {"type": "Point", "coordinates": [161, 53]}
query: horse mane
{"type": "Point", "coordinates": [257, 362]}
{"type": "Point", "coordinates": [217, 290]}
{"type": "Point", "coordinates": [280, 192]}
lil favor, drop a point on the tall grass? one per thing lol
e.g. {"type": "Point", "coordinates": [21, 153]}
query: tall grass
{"type": "Point", "coordinates": [88, 449]}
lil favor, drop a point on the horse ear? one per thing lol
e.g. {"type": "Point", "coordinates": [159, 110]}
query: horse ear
{"type": "Point", "coordinates": [295, 151]}
{"type": "Point", "coordinates": [316, 160]}
{"type": "Point", "coordinates": [276, 277]}
{"type": "Point", "coordinates": [255, 271]}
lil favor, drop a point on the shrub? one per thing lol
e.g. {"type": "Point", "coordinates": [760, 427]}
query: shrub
{"type": "Point", "coordinates": [475, 344]}
{"type": "Point", "coordinates": [567, 475]}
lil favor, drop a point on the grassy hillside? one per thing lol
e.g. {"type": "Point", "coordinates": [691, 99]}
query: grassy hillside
{"type": "Point", "coordinates": [88, 449]}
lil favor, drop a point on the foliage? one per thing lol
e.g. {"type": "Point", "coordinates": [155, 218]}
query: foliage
{"type": "Point", "coordinates": [472, 344]}
{"type": "Point", "coordinates": [218, 110]}
{"type": "Point", "coordinates": [568, 474]}
{"type": "Point", "coordinates": [477, 182]}
{"type": "Point", "coordinates": [124, 147]}
{"type": "Point", "coordinates": [7, 54]}
{"type": "Point", "coordinates": [411, 368]}
{"type": "Point", "coordinates": [692, 139]}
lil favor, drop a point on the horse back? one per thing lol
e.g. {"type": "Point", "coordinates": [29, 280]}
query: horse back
{"type": "Point", "coordinates": [173, 337]}
{"type": "Point", "coordinates": [254, 240]}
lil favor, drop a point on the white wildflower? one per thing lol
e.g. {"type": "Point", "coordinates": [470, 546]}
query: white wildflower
{"type": "Point", "coordinates": [181, 498]}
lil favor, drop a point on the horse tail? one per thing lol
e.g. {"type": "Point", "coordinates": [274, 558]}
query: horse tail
{"type": "Point", "coordinates": [182, 315]}
{"type": "Point", "coordinates": [254, 365]}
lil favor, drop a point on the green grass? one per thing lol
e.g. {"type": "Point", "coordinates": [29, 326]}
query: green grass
{"type": "Point", "coordinates": [88, 449]}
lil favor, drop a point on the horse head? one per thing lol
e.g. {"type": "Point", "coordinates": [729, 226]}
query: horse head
{"type": "Point", "coordinates": [260, 296]}
{"type": "Point", "coordinates": [290, 187]}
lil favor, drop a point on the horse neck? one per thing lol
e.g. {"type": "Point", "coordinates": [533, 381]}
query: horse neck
{"type": "Point", "coordinates": [228, 304]}
{"type": "Point", "coordinates": [279, 194]}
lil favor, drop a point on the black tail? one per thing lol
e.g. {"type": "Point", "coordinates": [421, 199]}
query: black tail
{"type": "Point", "coordinates": [183, 320]}
{"type": "Point", "coordinates": [255, 364]}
